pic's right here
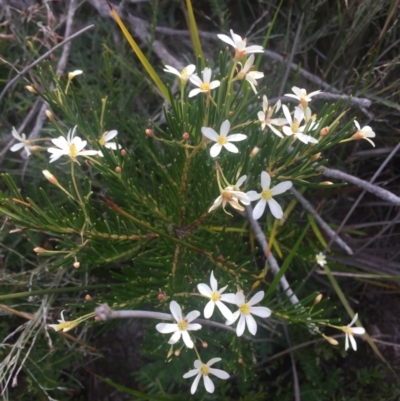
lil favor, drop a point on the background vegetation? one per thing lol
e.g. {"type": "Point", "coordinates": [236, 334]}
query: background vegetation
{"type": "Point", "coordinates": [343, 48]}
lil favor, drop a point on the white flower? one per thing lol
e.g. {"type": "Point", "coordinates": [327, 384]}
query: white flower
{"type": "Point", "coordinates": [363, 133]}
{"type": "Point", "coordinates": [265, 116]}
{"type": "Point", "coordinates": [105, 138]}
{"type": "Point", "coordinates": [266, 196]}
{"type": "Point", "coordinates": [222, 140]}
{"type": "Point", "coordinates": [72, 147]}
{"type": "Point", "coordinates": [205, 370]}
{"type": "Point", "coordinates": [203, 85]}
{"type": "Point", "coordinates": [248, 75]}
{"type": "Point", "coordinates": [182, 325]}
{"type": "Point", "coordinates": [321, 259]}
{"type": "Point", "coordinates": [246, 310]}
{"type": "Point", "coordinates": [232, 196]}
{"type": "Point", "coordinates": [23, 142]}
{"type": "Point", "coordinates": [350, 332]}
{"type": "Point", "coordinates": [184, 75]}
{"type": "Point", "coordinates": [73, 74]}
{"type": "Point", "coordinates": [63, 325]}
{"type": "Point", "coordinates": [302, 96]}
{"type": "Point", "coordinates": [216, 298]}
{"type": "Point", "coordinates": [294, 125]}
{"type": "Point", "coordinates": [239, 45]}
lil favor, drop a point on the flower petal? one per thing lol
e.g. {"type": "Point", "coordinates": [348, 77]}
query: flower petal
{"type": "Point", "coordinates": [186, 339]}
{"type": "Point", "coordinates": [215, 150]}
{"type": "Point", "coordinates": [235, 317]}
{"type": "Point", "coordinates": [260, 311]}
{"type": "Point", "coordinates": [209, 309]}
{"type": "Point", "coordinates": [230, 298]}
{"type": "Point", "coordinates": [281, 187]}
{"type": "Point", "coordinates": [358, 330]}
{"type": "Point", "coordinates": [204, 289]}
{"type": "Point", "coordinates": [241, 326]}
{"type": "Point", "coordinates": [256, 298]}
{"type": "Point", "coordinates": [225, 127]}
{"type": "Point", "coordinates": [230, 147]}
{"type": "Point", "coordinates": [259, 209]}
{"type": "Point", "coordinates": [176, 311]}
{"type": "Point", "coordinates": [265, 180]}
{"type": "Point", "coordinates": [226, 39]}
{"type": "Point", "coordinates": [213, 282]}
{"type": "Point", "coordinates": [286, 112]}
{"type": "Point", "coordinates": [194, 92]}
{"type": "Point", "coordinates": [236, 137]}
{"type": "Point", "coordinates": [207, 75]}
{"type": "Point", "coordinates": [195, 383]}
{"type": "Point", "coordinates": [208, 384]}
{"type": "Point", "coordinates": [251, 324]}
{"type": "Point", "coordinates": [226, 313]}
{"type": "Point", "coordinates": [353, 342]}
{"type": "Point", "coordinates": [194, 326]}
{"type": "Point", "coordinates": [192, 315]}
{"type": "Point", "coordinates": [221, 374]}
{"type": "Point", "coordinates": [191, 373]}
{"type": "Point", "coordinates": [166, 327]}
{"type": "Point", "coordinates": [176, 337]}
{"type": "Point", "coordinates": [275, 208]}
{"type": "Point", "coordinates": [253, 195]}
{"type": "Point", "coordinates": [212, 361]}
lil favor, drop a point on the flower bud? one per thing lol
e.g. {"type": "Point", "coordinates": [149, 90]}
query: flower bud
{"type": "Point", "coordinates": [77, 265]}
{"type": "Point", "coordinates": [330, 340]}
{"type": "Point", "coordinates": [118, 170]}
{"type": "Point", "coordinates": [315, 157]}
{"type": "Point", "coordinates": [38, 249]}
{"type": "Point", "coordinates": [204, 344]}
{"type": "Point", "coordinates": [73, 74]}
{"type": "Point", "coordinates": [123, 152]}
{"type": "Point", "coordinates": [160, 296]}
{"type": "Point", "coordinates": [50, 115]}
{"type": "Point", "coordinates": [177, 352]}
{"type": "Point", "coordinates": [327, 183]}
{"type": "Point", "coordinates": [255, 150]}
{"type": "Point", "coordinates": [50, 177]}
{"type": "Point", "coordinates": [31, 89]}
{"type": "Point", "coordinates": [88, 298]}
{"type": "Point", "coordinates": [324, 131]}
{"type": "Point", "coordinates": [185, 136]}
{"type": "Point", "coordinates": [318, 299]}
{"type": "Point", "coordinates": [149, 132]}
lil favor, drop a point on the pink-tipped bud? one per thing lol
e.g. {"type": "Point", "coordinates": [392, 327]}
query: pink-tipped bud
{"type": "Point", "coordinates": [123, 152]}
{"type": "Point", "coordinates": [88, 298]}
{"type": "Point", "coordinates": [118, 170]}
{"type": "Point", "coordinates": [149, 132]}
{"type": "Point", "coordinates": [160, 296]}
{"type": "Point", "coordinates": [185, 136]}
{"type": "Point", "coordinates": [204, 344]}
{"type": "Point", "coordinates": [177, 352]}
{"type": "Point", "coordinates": [324, 131]}
{"type": "Point", "coordinates": [255, 150]}
{"type": "Point", "coordinates": [50, 177]}
{"type": "Point", "coordinates": [50, 115]}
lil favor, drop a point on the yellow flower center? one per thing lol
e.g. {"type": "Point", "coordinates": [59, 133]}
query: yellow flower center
{"type": "Point", "coordinates": [295, 125]}
{"type": "Point", "coordinates": [102, 141]}
{"type": "Point", "coordinates": [215, 296]}
{"type": "Point", "coordinates": [348, 330]}
{"type": "Point", "coordinates": [245, 309]}
{"type": "Point", "coordinates": [227, 195]}
{"type": "Point", "coordinates": [205, 370]}
{"type": "Point", "coordinates": [72, 150]}
{"type": "Point", "coordinates": [182, 325]}
{"type": "Point", "coordinates": [266, 194]}
{"type": "Point", "coordinates": [222, 140]}
{"type": "Point", "coordinates": [205, 87]}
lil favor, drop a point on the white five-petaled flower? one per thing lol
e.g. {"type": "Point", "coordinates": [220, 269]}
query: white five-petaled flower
{"type": "Point", "coordinates": [266, 119]}
{"type": "Point", "coordinates": [205, 370]}
{"type": "Point", "coordinates": [72, 147]}
{"type": "Point", "coordinates": [320, 259]}
{"type": "Point", "coordinates": [184, 75]}
{"type": "Point", "coordinates": [203, 85]}
{"type": "Point", "coordinates": [222, 140]}
{"type": "Point", "coordinates": [266, 196]}
{"type": "Point", "coordinates": [249, 75]}
{"type": "Point", "coordinates": [216, 298]}
{"type": "Point", "coordinates": [105, 140]}
{"type": "Point", "coordinates": [294, 125]}
{"type": "Point", "coordinates": [239, 45]}
{"type": "Point", "coordinates": [63, 325]}
{"type": "Point", "coordinates": [232, 196]}
{"type": "Point", "coordinates": [23, 142]}
{"type": "Point", "coordinates": [245, 311]}
{"type": "Point", "coordinates": [350, 332]}
{"type": "Point", "coordinates": [182, 325]}
{"type": "Point", "coordinates": [302, 96]}
{"type": "Point", "coordinates": [363, 133]}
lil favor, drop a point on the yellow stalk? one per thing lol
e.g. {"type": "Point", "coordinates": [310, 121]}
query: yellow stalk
{"type": "Point", "coordinates": [194, 33]}
{"type": "Point", "coordinates": [150, 70]}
